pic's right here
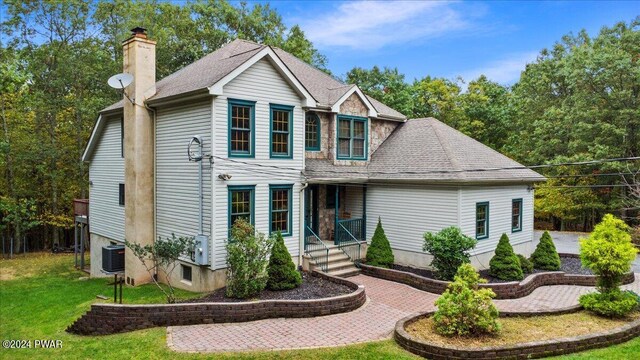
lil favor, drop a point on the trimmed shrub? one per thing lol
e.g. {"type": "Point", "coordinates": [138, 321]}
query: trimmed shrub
{"type": "Point", "coordinates": [525, 264]}
{"type": "Point", "coordinates": [545, 257]}
{"type": "Point", "coordinates": [281, 271]}
{"type": "Point", "coordinates": [450, 249]}
{"type": "Point", "coordinates": [614, 303]}
{"type": "Point", "coordinates": [246, 260]}
{"type": "Point", "coordinates": [505, 264]}
{"type": "Point", "coordinates": [608, 252]}
{"type": "Point", "coordinates": [463, 309]}
{"type": "Point", "coordinates": [379, 252]}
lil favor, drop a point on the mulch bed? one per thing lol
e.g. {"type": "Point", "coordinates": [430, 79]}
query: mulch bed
{"type": "Point", "coordinates": [312, 287]}
{"type": "Point", "coordinates": [569, 265]}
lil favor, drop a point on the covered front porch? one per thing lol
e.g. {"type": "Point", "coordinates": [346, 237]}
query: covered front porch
{"type": "Point", "coordinates": [336, 213]}
{"type": "Point", "coordinates": [335, 225]}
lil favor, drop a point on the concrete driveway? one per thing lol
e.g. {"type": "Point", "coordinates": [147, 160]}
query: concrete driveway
{"type": "Point", "coordinates": [567, 242]}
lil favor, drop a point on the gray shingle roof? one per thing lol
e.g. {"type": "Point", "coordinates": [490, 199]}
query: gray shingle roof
{"type": "Point", "coordinates": [210, 69]}
{"type": "Point", "coordinates": [428, 150]}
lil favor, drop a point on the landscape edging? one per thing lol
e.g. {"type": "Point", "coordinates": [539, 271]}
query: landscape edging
{"type": "Point", "coordinates": [535, 349]}
{"type": "Point", "coordinates": [104, 319]}
{"type": "Point", "coordinates": [508, 290]}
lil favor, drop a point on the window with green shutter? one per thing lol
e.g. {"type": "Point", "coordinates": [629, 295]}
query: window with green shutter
{"type": "Point", "coordinates": [352, 138]}
{"type": "Point", "coordinates": [482, 220]}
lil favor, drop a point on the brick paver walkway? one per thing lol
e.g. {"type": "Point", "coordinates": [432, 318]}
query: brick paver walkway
{"type": "Point", "coordinates": [388, 302]}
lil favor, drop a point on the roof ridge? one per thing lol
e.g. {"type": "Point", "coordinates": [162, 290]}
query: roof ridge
{"type": "Point", "coordinates": [445, 146]}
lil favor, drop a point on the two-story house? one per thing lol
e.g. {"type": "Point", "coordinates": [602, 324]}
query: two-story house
{"type": "Point", "coordinates": [291, 149]}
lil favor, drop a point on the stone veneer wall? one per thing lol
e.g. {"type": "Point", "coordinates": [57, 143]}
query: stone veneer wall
{"type": "Point", "coordinates": [509, 290]}
{"type": "Point", "coordinates": [535, 349]}
{"type": "Point", "coordinates": [380, 131]}
{"type": "Point", "coordinates": [327, 217]}
{"type": "Point", "coordinates": [104, 319]}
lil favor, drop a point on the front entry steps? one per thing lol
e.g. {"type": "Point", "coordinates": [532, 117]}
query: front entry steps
{"type": "Point", "coordinates": [338, 263]}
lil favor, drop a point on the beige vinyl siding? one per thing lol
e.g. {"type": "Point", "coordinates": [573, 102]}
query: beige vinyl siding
{"type": "Point", "coordinates": [407, 212]}
{"type": "Point", "coordinates": [264, 85]}
{"type": "Point", "coordinates": [176, 177]}
{"type": "Point", "coordinates": [499, 198]}
{"type": "Point", "coordinates": [106, 172]}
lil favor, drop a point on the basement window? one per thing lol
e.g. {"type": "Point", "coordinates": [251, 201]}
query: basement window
{"type": "Point", "coordinates": [186, 273]}
{"type": "Point", "coordinates": [121, 194]}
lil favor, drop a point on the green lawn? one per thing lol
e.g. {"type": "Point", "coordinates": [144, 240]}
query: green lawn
{"type": "Point", "coordinates": [40, 295]}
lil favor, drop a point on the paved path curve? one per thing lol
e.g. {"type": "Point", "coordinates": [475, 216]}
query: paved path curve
{"type": "Point", "coordinates": [387, 303]}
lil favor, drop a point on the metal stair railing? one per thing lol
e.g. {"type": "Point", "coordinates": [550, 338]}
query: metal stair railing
{"type": "Point", "coordinates": [316, 249]}
{"type": "Point", "coordinates": [351, 247]}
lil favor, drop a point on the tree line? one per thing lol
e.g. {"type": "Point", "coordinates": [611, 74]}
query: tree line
{"type": "Point", "coordinates": [577, 101]}
{"type": "Point", "coordinates": [55, 59]}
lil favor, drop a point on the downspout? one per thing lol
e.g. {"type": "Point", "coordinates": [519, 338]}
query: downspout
{"type": "Point", "coordinates": [302, 222]}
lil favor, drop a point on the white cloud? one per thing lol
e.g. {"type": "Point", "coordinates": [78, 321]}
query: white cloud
{"type": "Point", "coordinates": [371, 25]}
{"type": "Point", "coordinates": [505, 71]}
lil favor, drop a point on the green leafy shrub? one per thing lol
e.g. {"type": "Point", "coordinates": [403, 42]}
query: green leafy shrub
{"type": "Point", "coordinates": [162, 256]}
{"type": "Point", "coordinates": [463, 309]}
{"type": "Point", "coordinates": [614, 303]}
{"type": "Point", "coordinates": [505, 264]}
{"type": "Point", "coordinates": [246, 260]}
{"type": "Point", "coordinates": [545, 257]}
{"type": "Point", "coordinates": [450, 249]}
{"type": "Point", "coordinates": [608, 252]}
{"type": "Point", "coordinates": [525, 264]}
{"type": "Point", "coordinates": [379, 252]}
{"type": "Point", "coordinates": [281, 271]}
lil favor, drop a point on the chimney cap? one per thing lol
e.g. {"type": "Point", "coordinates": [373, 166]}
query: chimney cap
{"type": "Point", "coordinates": [139, 31]}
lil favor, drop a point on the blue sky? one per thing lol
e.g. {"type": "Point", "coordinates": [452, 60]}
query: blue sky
{"type": "Point", "coordinates": [447, 39]}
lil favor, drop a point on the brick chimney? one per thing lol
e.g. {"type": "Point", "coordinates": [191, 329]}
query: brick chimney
{"type": "Point", "coordinates": [139, 60]}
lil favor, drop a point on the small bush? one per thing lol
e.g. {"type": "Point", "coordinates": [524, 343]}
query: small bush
{"type": "Point", "coordinates": [505, 265]}
{"type": "Point", "coordinates": [281, 270]}
{"type": "Point", "coordinates": [463, 309]}
{"type": "Point", "coordinates": [608, 252]}
{"type": "Point", "coordinates": [614, 303]}
{"type": "Point", "coordinates": [379, 252]}
{"type": "Point", "coordinates": [525, 264]}
{"type": "Point", "coordinates": [246, 261]}
{"type": "Point", "coordinates": [450, 249]}
{"type": "Point", "coordinates": [545, 257]}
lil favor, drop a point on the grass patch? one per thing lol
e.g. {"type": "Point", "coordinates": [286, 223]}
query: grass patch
{"type": "Point", "coordinates": [45, 294]}
{"type": "Point", "coordinates": [523, 329]}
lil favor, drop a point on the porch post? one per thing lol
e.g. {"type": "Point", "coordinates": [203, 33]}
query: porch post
{"type": "Point", "coordinates": [337, 213]}
{"type": "Point", "coordinates": [364, 212]}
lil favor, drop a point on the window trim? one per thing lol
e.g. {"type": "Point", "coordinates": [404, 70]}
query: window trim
{"type": "Point", "coordinates": [121, 194]}
{"type": "Point", "coordinates": [233, 188]}
{"type": "Point", "coordinates": [252, 122]}
{"type": "Point", "coordinates": [318, 132]}
{"type": "Point", "coordinates": [352, 119]}
{"type": "Point", "coordinates": [289, 188]}
{"type": "Point", "coordinates": [519, 228]}
{"type": "Point", "coordinates": [486, 225]}
{"type": "Point", "coordinates": [289, 109]}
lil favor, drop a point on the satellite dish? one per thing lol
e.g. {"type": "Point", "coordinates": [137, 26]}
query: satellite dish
{"type": "Point", "coordinates": [120, 81]}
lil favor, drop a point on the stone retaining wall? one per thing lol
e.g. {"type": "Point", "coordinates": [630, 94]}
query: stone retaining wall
{"type": "Point", "coordinates": [103, 319]}
{"type": "Point", "coordinates": [509, 290]}
{"type": "Point", "coordinates": [536, 349]}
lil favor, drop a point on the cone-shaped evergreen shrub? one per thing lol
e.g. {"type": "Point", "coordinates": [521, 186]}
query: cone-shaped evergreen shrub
{"type": "Point", "coordinates": [379, 252]}
{"type": "Point", "coordinates": [545, 257]}
{"type": "Point", "coordinates": [505, 264]}
{"type": "Point", "coordinates": [525, 264]}
{"type": "Point", "coordinates": [281, 270]}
